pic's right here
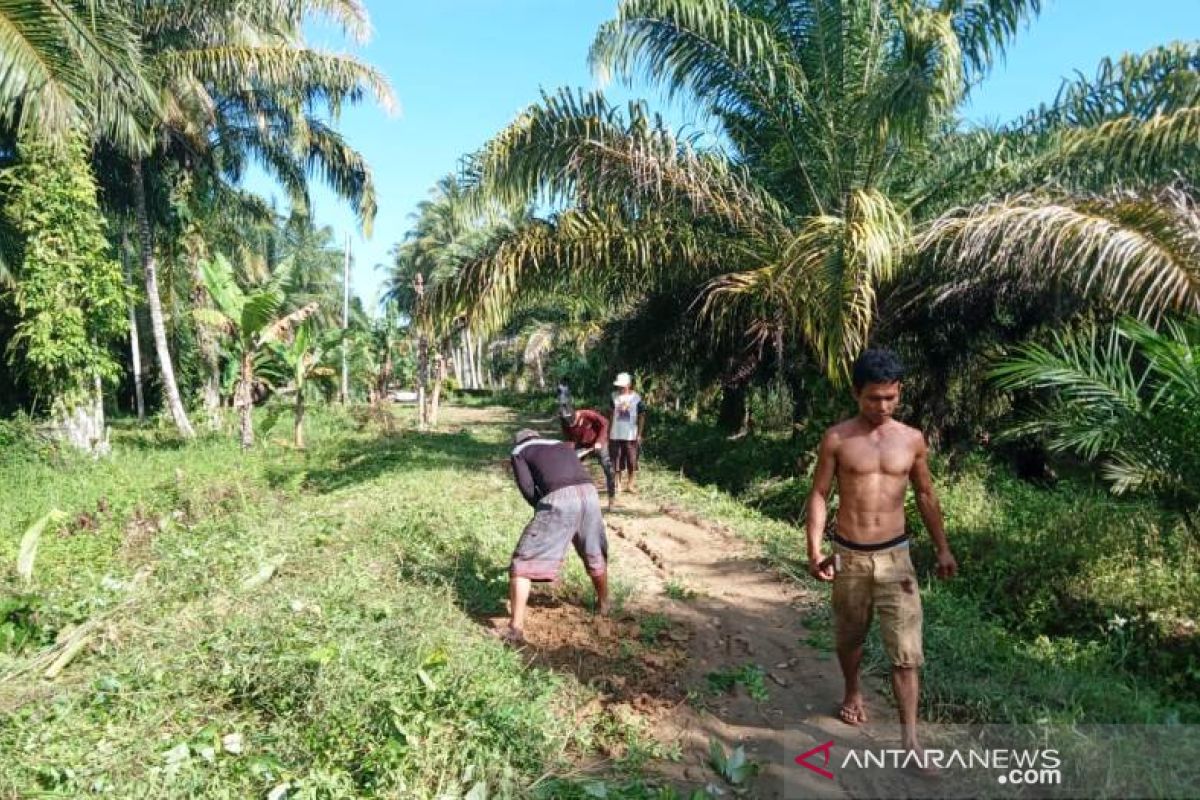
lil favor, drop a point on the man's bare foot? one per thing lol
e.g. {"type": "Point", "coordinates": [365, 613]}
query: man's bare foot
{"type": "Point", "coordinates": [510, 636]}
{"type": "Point", "coordinates": [853, 711]}
{"type": "Point", "coordinates": [924, 769]}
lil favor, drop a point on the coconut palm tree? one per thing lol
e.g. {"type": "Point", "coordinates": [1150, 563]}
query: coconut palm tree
{"type": "Point", "coordinates": [451, 228]}
{"type": "Point", "coordinates": [241, 85]}
{"type": "Point", "coordinates": [68, 66]}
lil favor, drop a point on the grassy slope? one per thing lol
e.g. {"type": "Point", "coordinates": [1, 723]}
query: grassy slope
{"type": "Point", "coordinates": [354, 669]}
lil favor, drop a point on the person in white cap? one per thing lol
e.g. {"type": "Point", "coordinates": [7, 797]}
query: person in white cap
{"type": "Point", "coordinates": [625, 432]}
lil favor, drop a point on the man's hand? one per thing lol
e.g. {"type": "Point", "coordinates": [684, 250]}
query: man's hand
{"type": "Point", "coordinates": [821, 570]}
{"type": "Point", "coordinates": [947, 567]}
{"type": "Point", "coordinates": [597, 447]}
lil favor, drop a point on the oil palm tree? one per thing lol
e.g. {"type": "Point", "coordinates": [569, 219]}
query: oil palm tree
{"type": "Point", "coordinates": [832, 178]}
{"type": "Point", "coordinates": [1128, 397]}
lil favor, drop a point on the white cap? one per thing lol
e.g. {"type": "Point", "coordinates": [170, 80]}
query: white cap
{"type": "Point", "coordinates": [623, 380]}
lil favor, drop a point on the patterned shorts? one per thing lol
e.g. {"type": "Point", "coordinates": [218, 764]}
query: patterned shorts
{"type": "Point", "coordinates": [564, 517]}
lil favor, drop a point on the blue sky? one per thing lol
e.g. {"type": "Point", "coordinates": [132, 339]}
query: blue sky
{"type": "Point", "coordinates": [462, 69]}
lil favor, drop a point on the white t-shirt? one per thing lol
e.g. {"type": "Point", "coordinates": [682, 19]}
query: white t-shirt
{"type": "Point", "coordinates": [626, 408]}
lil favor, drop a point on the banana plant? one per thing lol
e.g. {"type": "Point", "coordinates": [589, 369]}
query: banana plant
{"type": "Point", "coordinates": [252, 319]}
{"type": "Point", "coordinates": [307, 358]}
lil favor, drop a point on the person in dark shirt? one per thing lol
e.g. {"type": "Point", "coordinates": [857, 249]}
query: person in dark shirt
{"type": "Point", "coordinates": [588, 431]}
{"type": "Point", "coordinates": [566, 511]}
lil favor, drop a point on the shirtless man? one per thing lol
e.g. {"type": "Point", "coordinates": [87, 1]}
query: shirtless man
{"type": "Point", "coordinates": [874, 458]}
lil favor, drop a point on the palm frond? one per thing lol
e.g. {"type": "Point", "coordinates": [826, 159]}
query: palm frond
{"type": "Point", "coordinates": [1085, 367]}
{"type": "Point", "coordinates": [710, 48]}
{"type": "Point", "coordinates": [279, 327]}
{"type": "Point", "coordinates": [571, 147]}
{"type": "Point", "coordinates": [823, 282]}
{"type": "Point", "coordinates": [572, 250]}
{"type": "Point", "coordinates": [1139, 253]}
{"type": "Point", "coordinates": [986, 27]}
{"type": "Point", "coordinates": [63, 69]}
{"type": "Point", "coordinates": [282, 68]}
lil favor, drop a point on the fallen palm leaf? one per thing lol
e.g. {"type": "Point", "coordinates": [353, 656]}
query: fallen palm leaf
{"type": "Point", "coordinates": [71, 647]}
{"type": "Point", "coordinates": [29, 543]}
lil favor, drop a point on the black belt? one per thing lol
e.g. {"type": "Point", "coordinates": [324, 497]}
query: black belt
{"type": "Point", "coordinates": [870, 548]}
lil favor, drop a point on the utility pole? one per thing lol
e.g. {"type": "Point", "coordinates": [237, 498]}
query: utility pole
{"type": "Point", "coordinates": [345, 393]}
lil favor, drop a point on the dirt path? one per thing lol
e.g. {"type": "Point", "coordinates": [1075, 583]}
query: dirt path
{"type": "Point", "coordinates": [662, 657]}
{"type": "Point", "coordinates": [743, 616]}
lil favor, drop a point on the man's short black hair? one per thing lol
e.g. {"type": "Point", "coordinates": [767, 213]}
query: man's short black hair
{"type": "Point", "coordinates": [877, 365]}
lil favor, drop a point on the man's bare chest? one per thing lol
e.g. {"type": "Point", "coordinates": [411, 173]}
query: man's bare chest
{"type": "Point", "coordinates": [861, 456]}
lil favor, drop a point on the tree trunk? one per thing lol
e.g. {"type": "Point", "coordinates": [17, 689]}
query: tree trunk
{"type": "Point", "coordinates": [460, 364]}
{"type": "Point", "coordinates": [208, 353]}
{"type": "Point", "coordinates": [135, 350]}
{"type": "Point", "coordinates": [734, 416]}
{"type": "Point", "coordinates": [801, 399]}
{"type": "Point", "coordinates": [435, 398]}
{"type": "Point", "coordinates": [541, 375]}
{"type": "Point", "coordinates": [469, 360]}
{"type": "Point", "coordinates": [244, 399]}
{"type": "Point", "coordinates": [422, 380]}
{"type": "Point", "coordinates": [299, 429]}
{"type": "Point", "coordinates": [478, 365]}
{"type": "Point", "coordinates": [82, 424]}
{"type": "Point", "coordinates": [154, 301]}
{"type": "Point", "coordinates": [469, 352]}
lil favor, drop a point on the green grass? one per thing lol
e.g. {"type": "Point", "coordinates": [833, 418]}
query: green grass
{"type": "Point", "coordinates": [357, 668]}
{"type": "Point", "coordinates": [652, 626]}
{"type": "Point", "coordinates": [678, 590]}
{"type": "Point", "coordinates": [751, 677]}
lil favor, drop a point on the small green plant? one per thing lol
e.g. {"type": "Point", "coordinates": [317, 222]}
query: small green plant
{"type": "Point", "coordinates": [19, 623]}
{"type": "Point", "coordinates": [652, 625]}
{"type": "Point", "coordinates": [820, 640]}
{"type": "Point", "coordinates": [735, 768]}
{"type": "Point", "coordinates": [750, 676]}
{"type": "Point", "coordinates": [677, 590]}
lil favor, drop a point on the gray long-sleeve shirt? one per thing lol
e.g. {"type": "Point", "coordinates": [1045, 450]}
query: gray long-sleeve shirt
{"type": "Point", "coordinates": [542, 466]}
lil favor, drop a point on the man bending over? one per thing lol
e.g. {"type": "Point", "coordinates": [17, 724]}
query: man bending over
{"type": "Point", "coordinates": [588, 431]}
{"type": "Point", "coordinates": [566, 511]}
